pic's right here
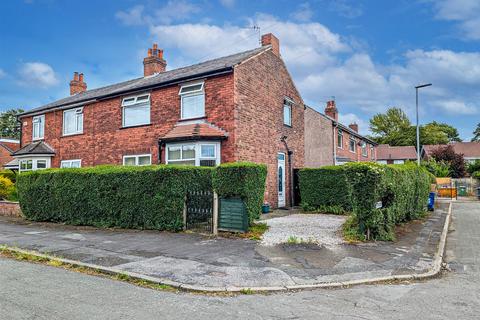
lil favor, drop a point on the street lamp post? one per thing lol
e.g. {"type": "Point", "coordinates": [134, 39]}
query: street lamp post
{"type": "Point", "coordinates": [418, 127]}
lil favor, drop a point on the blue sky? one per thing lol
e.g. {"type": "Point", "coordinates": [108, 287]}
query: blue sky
{"type": "Point", "coordinates": [368, 54]}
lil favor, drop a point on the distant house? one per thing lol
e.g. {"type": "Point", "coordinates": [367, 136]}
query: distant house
{"type": "Point", "coordinates": [329, 142]}
{"type": "Point", "coordinates": [7, 146]}
{"type": "Point", "coordinates": [387, 154]}
{"type": "Point", "coordinates": [470, 150]}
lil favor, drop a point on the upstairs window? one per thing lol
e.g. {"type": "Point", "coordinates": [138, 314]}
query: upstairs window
{"type": "Point", "coordinates": [192, 100]}
{"type": "Point", "coordinates": [340, 139]}
{"type": "Point", "coordinates": [38, 127]}
{"type": "Point", "coordinates": [287, 112]}
{"type": "Point", "coordinates": [372, 152]}
{"type": "Point", "coordinates": [353, 144]}
{"type": "Point", "coordinates": [136, 110]}
{"type": "Point", "coordinates": [364, 149]}
{"type": "Point", "coordinates": [73, 121]}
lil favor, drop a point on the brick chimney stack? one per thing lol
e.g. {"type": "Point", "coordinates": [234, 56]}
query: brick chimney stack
{"type": "Point", "coordinates": [270, 39]}
{"type": "Point", "coordinates": [331, 110]}
{"type": "Point", "coordinates": [353, 126]}
{"type": "Point", "coordinates": [77, 85]}
{"type": "Point", "coordinates": [154, 62]}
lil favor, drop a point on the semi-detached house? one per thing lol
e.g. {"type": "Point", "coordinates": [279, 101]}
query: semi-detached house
{"type": "Point", "coordinates": [243, 107]}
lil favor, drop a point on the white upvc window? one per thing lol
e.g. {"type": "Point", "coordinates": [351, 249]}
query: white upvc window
{"type": "Point", "coordinates": [29, 164]}
{"type": "Point", "coordinates": [192, 101]}
{"type": "Point", "coordinates": [287, 112]}
{"type": "Point", "coordinates": [340, 139]}
{"type": "Point", "coordinates": [364, 149]}
{"type": "Point", "coordinates": [73, 121]}
{"type": "Point", "coordinates": [137, 160]}
{"type": "Point", "coordinates": [398, 161]}
{"type": "Point", "coordinates": [76, 163]}
{"type": "Point", "coordinates": [372, 152]}
{"type": "Point", "coordinates": [353, 144]}
{"type": "Point", "coordinates": [136, 110]}
{"type": "Point", "coordinates": [194, 153]}
{"type": "Point", "coordinates": [38, 129]}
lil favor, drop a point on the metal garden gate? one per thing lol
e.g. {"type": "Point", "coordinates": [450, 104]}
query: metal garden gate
{"type": "Point", "coordinates": [199, 211]}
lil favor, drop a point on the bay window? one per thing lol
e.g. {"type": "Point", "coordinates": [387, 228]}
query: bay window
{"type": "Point", "coordinates": [33, 163]}
{"type": "Point", "coordinates": [136, 110]}
{"type": "Point", "coordinates": [38, 129]}
{"type": "Point", "coordinates": [73, 121]}
{"type": "Point", "coordinates": [194, 153]}
{"type": "Point", "coordinates": [192, 101]}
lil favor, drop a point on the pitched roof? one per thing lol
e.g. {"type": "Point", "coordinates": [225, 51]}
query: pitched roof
{"type": "Point", "coordinates": [195, 131]}
{"type": "Point", "coordinates": [468, 149]}
{"type": "Point", "coordinates": [38, 147]}
{"type": "Point", "coordinates": [11, 165]}
{"type": "Point", "coordinates": [164, 78]}
{"type": "Point", "coordinates": [387, 152]}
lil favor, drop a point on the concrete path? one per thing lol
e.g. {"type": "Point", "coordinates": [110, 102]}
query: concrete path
{"type": "Point", "coordinates": [30, 291]}
{"type": "Point", "coordinates": [199, 262]}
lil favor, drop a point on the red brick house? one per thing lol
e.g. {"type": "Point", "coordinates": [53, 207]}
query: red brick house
{"type": "Point", "coordinates": [470, 150]}
{"type": "Point", "coordinates": [329, 142]}
{"type": "Point", "coordinates": [7, 146]}
{"type": "Point", "coordinates": [387, 154]}
{"type": "Point", "coordinates": [243, 107]}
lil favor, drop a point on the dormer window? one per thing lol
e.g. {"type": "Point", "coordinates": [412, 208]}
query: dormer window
{"type": "Point", "coordinates": [73, 121]}
{"type": "Point", "coordinates": [136, 110]}
{"type": "Point", "coordinates": [38, 129]}
{"type": "Point", "coordinates": [192, 100]}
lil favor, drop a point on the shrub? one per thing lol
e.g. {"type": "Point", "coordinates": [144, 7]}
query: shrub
{"type": "Point", "coordinates": [402, 190]}
{"type": "Point", "coordinates": [455, 160]}
{"type": "Point", "coordinates": [325, 190]}
{"type": "Point", "coordinates": [245, 180]}
{"type": "Point", "coordinates": [473, 167]}
{"type": "Point", "coordinates": [7, 188]}
{"type": "Point", "coordinates": [440, 169]}
{"type": "Point", "coordinates": [476, 175]}
{"type": "Point", "coordinates": [111, 196]}
{"type": "Point", "coordinates": [8, 174]}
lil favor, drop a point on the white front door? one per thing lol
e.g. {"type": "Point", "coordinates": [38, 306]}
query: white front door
{"type": "Point", "coordinates": [281, 180]}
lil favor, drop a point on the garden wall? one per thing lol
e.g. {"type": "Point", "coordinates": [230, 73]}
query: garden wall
{"type": "Point", "coordinates": [10, 209]}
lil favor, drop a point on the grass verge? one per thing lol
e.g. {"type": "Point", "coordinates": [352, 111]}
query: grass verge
{"type": "Point", "coordinates": [255, 232]}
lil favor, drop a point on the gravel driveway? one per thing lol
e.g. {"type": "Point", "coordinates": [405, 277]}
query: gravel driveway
{"type": "Point", "coordinates": [322, 229]}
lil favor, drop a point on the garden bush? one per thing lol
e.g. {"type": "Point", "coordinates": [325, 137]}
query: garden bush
{"type": "Point", "coordinates": [242, 179]}
{"type": "Point", "coordinates": [7, 188]}
{"type": "Point", "coordinates": [150, 197]}
{"type": "Point", "coordinates": [401, 189]}
{"type": "Point", "coordinates": [8, 174]}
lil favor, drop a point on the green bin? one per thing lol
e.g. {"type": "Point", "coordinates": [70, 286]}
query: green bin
{"type": "Point", "coordinates": [462, 191]}
{"type": "Point", "coordinates": [232, 215]}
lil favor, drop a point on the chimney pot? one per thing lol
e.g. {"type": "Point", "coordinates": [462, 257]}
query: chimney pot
{"type": "Point", "coordinates": [77, 85]}
{"type": "Point", "coordinates": [154, 62]}
{"type": "Point", "coordinates": [353, 126]}
{"type": "Point", "coordinates": [270, 39]}
{"type": "Point", "coordinates": [331, 110]}
{"type": "Point", "coordinates": [75, 76]}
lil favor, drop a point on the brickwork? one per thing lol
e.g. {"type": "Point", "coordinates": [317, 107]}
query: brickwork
{"type": "Point", "coordinates": [10, 209]}
{"type": "Point", "coordinates": [318, 139]}
{"type": "Point", "coordinates": [344, 151]}
{"type": "Point", "coordinates": [5, 148]}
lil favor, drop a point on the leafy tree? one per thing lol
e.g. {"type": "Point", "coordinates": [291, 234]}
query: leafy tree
{"type": "Point", "coordinates": [455, 160]}
{"type": "Point", "coordinates": [450, 132]}
{"type": "Point", "coordinates": [9, 126]}
{"type": "Point", "coordinates": [390, 124]}
{"type": "Point", "coordinates": [473, 167]}
{"type": "Point", "coordinates": [476, 133]}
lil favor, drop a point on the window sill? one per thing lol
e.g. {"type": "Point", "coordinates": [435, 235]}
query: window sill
{"type": "Point", "coordinates": [190, 119]}
{"type": "Point", "coordinates": [136, 126]}
{"type": "Point", "coordinates": [287, 125]}
{"type": "Point", "coordinates": [72, 134]}
{"type": "Point", "coordinates": [38, 139]}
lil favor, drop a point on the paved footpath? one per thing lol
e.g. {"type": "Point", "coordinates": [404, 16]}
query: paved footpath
{"type": "Point", "coordinates": [30, 291]}
{"type": "Point", "coordinates": [219, 263]}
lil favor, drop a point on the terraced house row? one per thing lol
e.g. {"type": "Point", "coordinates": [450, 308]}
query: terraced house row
{"type": "Point", "coordinates": [242, 107]}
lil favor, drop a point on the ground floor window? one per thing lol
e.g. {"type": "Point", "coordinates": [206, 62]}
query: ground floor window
{"type": "Point", "coordinates": [137, 160]}
{"type": "Point", "coordinates": [29, 164]}
{"type": "Point", "coordinates": [77, 163]}
{"type": "Point", "coordinates": [194, 153]}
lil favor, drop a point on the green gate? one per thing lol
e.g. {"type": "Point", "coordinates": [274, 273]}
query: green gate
{"type": "Point", "coordinates": [232, 215]}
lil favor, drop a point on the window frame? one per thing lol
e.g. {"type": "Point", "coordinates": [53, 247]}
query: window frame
{"type": "Point", "coordinates": [77, 112]}
{"type": "Point", "coordinates": [198, 150]}
{"type": "Point", "coordinates": [197, 92]}
{"type": "Point", "coordinates": [34, 163]}
{"type": "Point", "coordinates": [340, 135]}
{"type": "Point", "coordinates": [287, 103]}
{"type": "Point", "coordinates": [41, 127]}
{"type": "Point", "coordinates": [137, 156]}
{"type": "Point", "coordinates": [70, 161]}
{"type": "Point", "coordinates": [372, 152]}
{"type": "Point", "coordinates": [354, 145]}
{"type": "Point", "coordinates": [364, 149]}
{"type": "Point", "coordinates": [133, 102]}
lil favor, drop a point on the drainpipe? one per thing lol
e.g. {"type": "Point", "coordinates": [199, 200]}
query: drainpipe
{"type": "Point", "coordinates": [333, 143]}
{"type": "Point", "coordinates": [290, 170]}
{"type": "Point", "coordinates": [159, 151]}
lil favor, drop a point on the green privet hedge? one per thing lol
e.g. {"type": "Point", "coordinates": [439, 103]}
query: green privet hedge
{"type": "Point", "coordinates": [111, 196]}
{"type": "Point", "coordinates": [244, 180]}
{"type": "Point", "coordinates": [149, 197]}
{"type": "Point", "coordinates": [402, 191]}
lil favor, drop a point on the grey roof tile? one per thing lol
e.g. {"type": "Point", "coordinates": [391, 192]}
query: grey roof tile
{"type": "Point", "coordinates": [38, 147]}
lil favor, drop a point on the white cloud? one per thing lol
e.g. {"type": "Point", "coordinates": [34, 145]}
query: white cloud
{"type": "Point", "coordinates": [228, 3]}
{"type": "Point", "coordinates": [456, 107]}
{"type": "Point", "coordinates": [466, 12]}
{"type": "Point", "coordinates": [303, 13]}
{"type": "Point", "coordinates": [345, 9]}
{"type": "Point", "coordinates": [2, 73]}
{"type": "Point", "coordinates": [170, 12]}
{"type": "Point", "coordinates": [37, 74]}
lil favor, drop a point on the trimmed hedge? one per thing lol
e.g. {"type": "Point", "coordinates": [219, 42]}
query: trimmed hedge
{"type": "Point", "coordinates": [402, 189]}
{"type": "Point", "coordinates": [245, 180]}
{"type": "Point", "coordinates": [149, 197]}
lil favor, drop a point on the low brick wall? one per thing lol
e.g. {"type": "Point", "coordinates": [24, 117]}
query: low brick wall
{"type": "Point", "coordinates": [10, 209]}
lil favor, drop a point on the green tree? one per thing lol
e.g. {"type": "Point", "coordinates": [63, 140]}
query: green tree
{"type": "Point", "coordinates": [9, 126]}
{"type": "Point", "coordinates": [448, 130]}
{"type": "Point", "coordinates": [476, 133]}
{"type": "Point", "coordinates": [390, 125]}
